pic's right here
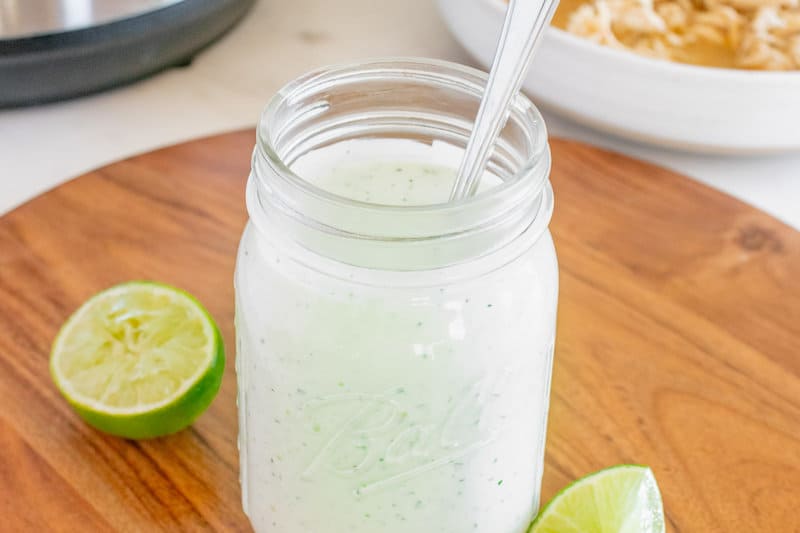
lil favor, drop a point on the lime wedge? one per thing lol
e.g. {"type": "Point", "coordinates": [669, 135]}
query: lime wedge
{"type": "Point", "coordinates": [620, 499]}
{"type": "Point", "coordinates": [139, 360]}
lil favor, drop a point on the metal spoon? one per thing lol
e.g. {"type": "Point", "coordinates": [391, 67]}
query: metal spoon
{"type": "Point", "coordinates": [522, 31]}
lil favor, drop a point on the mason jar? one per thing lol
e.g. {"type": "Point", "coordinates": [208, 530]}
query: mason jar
{"type": "Point", "coordinates": [393, 361]}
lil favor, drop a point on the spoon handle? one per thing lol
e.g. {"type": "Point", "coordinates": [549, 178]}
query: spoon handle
{"type": "Point", "coordinates": [524, 22]}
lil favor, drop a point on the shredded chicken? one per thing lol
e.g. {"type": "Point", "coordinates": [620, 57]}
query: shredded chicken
{"type": "Point", "coordinates": [760, 34]}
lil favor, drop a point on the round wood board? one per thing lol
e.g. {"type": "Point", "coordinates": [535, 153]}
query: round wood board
{"type": "Point", "coordinates": [678, 342]}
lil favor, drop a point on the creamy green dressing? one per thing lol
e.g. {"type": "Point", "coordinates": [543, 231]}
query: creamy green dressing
{"type": "Point", "coordinates": [391, 182]}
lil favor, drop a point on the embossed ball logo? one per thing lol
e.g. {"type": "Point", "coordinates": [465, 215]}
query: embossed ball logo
{"type": "Point", "coordinates": [381, 439]}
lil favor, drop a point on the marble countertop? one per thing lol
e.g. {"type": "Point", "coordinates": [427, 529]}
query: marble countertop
{"type": "Point", "coordinates": [226, 86]}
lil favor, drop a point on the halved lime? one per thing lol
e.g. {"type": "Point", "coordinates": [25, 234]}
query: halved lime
{"type": "Point", "coordinates": [139, 360]}
{"type": "Point", "coordinates": [620, 499]}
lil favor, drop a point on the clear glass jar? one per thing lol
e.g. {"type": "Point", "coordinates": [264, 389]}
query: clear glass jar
{"type": "Point", "coordinates": [393, 362]}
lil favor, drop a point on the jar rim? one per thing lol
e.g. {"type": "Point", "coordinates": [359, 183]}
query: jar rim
{"type": "Point", "coordinates": [419, 99]}
{"type": "Point", "coordinates": [467, 77]}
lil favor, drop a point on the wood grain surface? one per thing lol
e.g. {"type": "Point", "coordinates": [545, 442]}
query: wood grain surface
{"type": "Point", "coordinates": [678, 342]}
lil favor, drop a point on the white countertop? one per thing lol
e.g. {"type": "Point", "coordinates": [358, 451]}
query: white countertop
{"type": "Point", "coordinates": [227, 85]}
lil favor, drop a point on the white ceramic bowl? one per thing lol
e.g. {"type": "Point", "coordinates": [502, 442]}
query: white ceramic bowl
{"type": "Point", "coordinates": [659, 102]}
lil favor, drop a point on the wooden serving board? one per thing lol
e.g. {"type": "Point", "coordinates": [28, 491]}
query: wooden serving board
{"type": "Point", "coordinates": [678, 342]}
